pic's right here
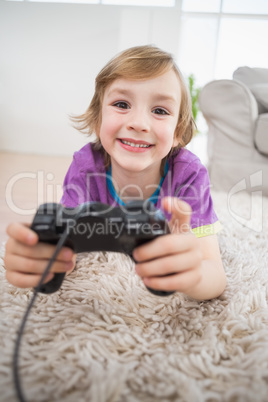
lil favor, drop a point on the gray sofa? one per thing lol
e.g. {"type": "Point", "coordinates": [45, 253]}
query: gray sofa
{"type": "Point", "coordinates": [236, 112]}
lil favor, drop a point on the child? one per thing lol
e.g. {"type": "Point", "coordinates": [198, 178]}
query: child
{"type": "Point", "coordinates": [141, 115]}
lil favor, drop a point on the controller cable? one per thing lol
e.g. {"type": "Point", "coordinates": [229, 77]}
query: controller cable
{"type": "Point", "coordinates": [15, 366]}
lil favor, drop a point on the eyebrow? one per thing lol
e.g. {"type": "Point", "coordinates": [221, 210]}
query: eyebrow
{"type": "Point", "coordinates": [158, 96]}
{"type": "Point", "coordinates": [120, 91]}
{"type": "Point", "coordinates": [164, 97]}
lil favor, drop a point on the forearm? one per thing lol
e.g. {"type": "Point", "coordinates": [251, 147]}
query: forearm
{"type": "Point", "coordinates": [212, 282]}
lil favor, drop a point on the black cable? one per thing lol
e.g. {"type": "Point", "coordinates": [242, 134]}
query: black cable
{"type": "Point", "coordinates": [27, 312]}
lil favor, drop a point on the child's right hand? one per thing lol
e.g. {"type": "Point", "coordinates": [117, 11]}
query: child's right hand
{"type": "Point", "coordinates": [26, 259]}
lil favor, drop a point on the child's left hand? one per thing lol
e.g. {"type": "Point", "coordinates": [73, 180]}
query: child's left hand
{"type": "Point", "coordinates": [180, 253]}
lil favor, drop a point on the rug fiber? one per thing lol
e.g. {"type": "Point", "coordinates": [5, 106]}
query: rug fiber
{"type": "Point", "coordinates": [104, 338]}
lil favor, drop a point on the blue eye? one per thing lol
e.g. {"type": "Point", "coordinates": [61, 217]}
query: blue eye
{"type": "Point", "coordinates": [161, 111]}
{"type": "Point", "coordinates": [121, 105]}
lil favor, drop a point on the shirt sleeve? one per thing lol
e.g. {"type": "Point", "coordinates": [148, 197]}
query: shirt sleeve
{"type": "Point", "coordinates": [195, 190]}
{"type": "Point", "coordinates": [74, 190]}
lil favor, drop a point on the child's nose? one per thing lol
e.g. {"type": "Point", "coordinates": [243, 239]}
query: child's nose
{"type": "Point", "coordinates": [139, 122]}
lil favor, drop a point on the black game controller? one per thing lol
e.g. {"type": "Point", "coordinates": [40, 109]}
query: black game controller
{"type": "Point", "coordinates": [94, 226]}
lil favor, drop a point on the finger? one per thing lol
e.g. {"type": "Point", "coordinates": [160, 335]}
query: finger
{"type": "Point", "coordinates": [32, 266]}
{"type": "Point", "coordinates": [21, 280]}
{"type": "Point", "coordinates": [22, 233]}
{"type": "Point", "coordinates": [165, 245]}
{"type": "Point", "coordinates": [39, 251]}
{"type": "Point", "coordinates": [181, 282]}
{"type": "Point", "coordinates": [180, 214]}
{"type": "Point", "coordinates": [169, 265]}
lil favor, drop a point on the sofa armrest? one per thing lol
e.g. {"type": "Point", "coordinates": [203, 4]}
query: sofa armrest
{"type": "Point", "coordinates": [231, 108]}
{"type": "Point", "coordinates": [232, 116]}
{"type": "Point", "coordinates": [261, 134]}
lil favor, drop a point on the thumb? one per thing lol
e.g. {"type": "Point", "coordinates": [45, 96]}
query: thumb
{"type": "Point", "coordinates": [181, 213]}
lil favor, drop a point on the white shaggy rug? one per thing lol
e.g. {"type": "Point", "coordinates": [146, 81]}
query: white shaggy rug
{"type": "Point", "coordinates": [103, 337]}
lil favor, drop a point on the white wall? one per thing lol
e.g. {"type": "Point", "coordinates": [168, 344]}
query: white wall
{"type": "Point", "coordinates": [50, 54]}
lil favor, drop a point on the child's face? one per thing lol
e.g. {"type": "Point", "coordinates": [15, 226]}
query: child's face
{"type": "Point", "coordinates": [139, 118]}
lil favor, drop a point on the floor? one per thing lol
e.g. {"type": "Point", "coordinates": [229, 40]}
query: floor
{"type": "Point", "coordinates": [26, 181]}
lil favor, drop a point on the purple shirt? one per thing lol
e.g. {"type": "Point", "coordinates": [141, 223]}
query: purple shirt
{"type": "Point", "coordinates": [186, 178]}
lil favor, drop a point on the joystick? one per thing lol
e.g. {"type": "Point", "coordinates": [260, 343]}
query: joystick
{"type": "Point", "coordinates": [94, 226]}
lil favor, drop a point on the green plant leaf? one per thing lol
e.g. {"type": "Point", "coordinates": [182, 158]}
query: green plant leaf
{"type": "Point", "coordinates": [194, 92]}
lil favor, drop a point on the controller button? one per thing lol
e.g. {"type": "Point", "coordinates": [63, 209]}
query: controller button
{"type": "Point", "coordinates": [116, 220]}
{"type": "Point", "coordinates": [41, 227]}
{"type": "Point", "coordinates": [46, 219]}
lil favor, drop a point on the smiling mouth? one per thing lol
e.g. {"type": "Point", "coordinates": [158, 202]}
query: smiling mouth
{"type": "Point", "coordinates": [135, 144]}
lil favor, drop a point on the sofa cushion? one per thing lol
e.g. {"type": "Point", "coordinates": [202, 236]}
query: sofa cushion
{"type": "Point", "coordinates": [251, 76]}
{"type": "Point", "coordinates": [261, 134]}
{"type": "Point", "coordinates": [260, 91]}
{"type": "Point", "coordinates": [256, 79]}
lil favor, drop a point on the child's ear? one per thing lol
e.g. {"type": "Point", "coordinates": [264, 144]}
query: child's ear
{"type": "Point", "coordinates": [176, 142]}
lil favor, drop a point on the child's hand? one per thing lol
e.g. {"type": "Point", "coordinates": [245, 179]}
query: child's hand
{"type": "Point", "coordinates": [190, 259]}
{"type": "Point", "coordinates": [26, 258]}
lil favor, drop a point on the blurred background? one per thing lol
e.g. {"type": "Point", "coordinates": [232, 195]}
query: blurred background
{"type": "Point", "coordinates": [51, 51]}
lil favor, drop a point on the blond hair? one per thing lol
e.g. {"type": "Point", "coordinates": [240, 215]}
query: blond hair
{"type": "Point", "coordinates": [138, 63]}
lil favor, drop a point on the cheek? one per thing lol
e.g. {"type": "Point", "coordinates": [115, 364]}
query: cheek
{"type": "Point", "coordinates": [174, 136]}
{"type": "Point", "coordinates": [176, 141]}
{"type": "Point", "coordinates": [167, 135]}
{"type": "Point", "coordinates": [109, 126]}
